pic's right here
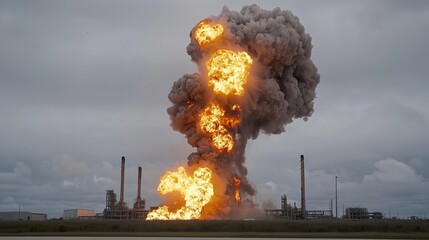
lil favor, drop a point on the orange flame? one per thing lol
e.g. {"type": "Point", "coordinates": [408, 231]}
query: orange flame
{"type": "Point", "coordinates": [227, 74]}
{"type": "Point", "coordinates": [197, 190]}
{"type": "Point", "coordinates": [214, 123]}
{"type": "Point", "coordinates": [206, 32]}
{"type": "Point", "coordinates": [228, 71]}
{"type": "Point", "coordinates": [237, 191]}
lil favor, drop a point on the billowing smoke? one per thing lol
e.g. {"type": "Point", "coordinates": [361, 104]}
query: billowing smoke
{"type": "Point", "coordinates": [281, 86]}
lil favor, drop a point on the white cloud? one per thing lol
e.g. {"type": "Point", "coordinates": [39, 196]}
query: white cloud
{"type": "Point", "coordinates": [392, 171]}
{"type": "Point", "coordinates": [66, 166]}
{"type": "Point", "coordinates": [104, 182]}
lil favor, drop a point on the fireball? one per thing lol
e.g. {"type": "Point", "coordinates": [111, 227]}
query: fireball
{"type": "Point", "coordinates": [197, 190]}
{"type": "Point", "coordinates": [214, 123]}
{"type": "Point", "coordinates": [207, 32]}
{"type": "Point", "coordinates": [227, 73]}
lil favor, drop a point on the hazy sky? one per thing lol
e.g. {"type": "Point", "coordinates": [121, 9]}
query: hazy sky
{"type": "Point", "coordinates": [84, 82]}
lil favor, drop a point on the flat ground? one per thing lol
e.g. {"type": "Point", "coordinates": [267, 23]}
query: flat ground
{"type": "Point", "coordinates": [221, 228]}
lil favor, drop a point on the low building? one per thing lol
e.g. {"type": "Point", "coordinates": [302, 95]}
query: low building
{"type": "Point", "coordinates": [358, 213]}
{"type": "Point", "coordinates": [70, 214]}
{"type": "Point", "coordinates": [376, 215]}
{"type": "Point", "coordinates": [22, 215]}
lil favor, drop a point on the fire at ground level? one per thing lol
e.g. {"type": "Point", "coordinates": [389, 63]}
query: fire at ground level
{"type": "Point", "coordinates": [119, 209]}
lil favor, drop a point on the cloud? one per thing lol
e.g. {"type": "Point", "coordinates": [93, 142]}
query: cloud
{"type": "Point", "coordinates": [66, 166]}
{"type": "Point", "coordinates": [391, 185]}
{"type": "Point", "coordinates": [269, 185]}
{"type": "Point", "coordinates": [102, 181]}
{"type": "Point", "coordinates": [84, 83]}
{"type": "Point", "coordinates": [392, 171]}
{"type": "Point", "coordinates": [21, 174]}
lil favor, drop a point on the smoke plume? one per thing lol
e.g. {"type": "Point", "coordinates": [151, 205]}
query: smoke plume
{"type": "Point", "coordinates": [281, 86]}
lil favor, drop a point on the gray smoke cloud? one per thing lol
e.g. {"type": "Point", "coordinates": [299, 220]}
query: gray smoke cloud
{"type": "Point", "coordinates": [281, 87]}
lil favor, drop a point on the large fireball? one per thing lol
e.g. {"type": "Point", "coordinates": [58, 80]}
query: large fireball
{"type": "Point", "coordinates": [227, 73]}
{"type": "Point", "coordinates": [256, 76]}
{"type": "Point", "coordinates": [197, 190]}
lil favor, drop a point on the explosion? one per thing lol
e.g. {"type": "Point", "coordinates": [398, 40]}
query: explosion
{"type": "Point", "coordinates": [228, 71]}
{"type": "Point", "coordinates": [197, 192]}
{"type": "Point", "coordinates": [215, 124]}
{"type": "Point", "coordinates": [206, 32]}
{"type": "Point", "coordinates": [237, 196]}
{"type": "Point", "coordinates": [256, 75]}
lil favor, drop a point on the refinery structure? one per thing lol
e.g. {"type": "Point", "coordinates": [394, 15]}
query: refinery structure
{"type": "Point", "coordinates": [120, 210]}
{"type": "Point", "coordinates": [289, 212]}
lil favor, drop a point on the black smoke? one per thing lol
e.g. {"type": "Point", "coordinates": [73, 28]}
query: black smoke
{"type": "Point", "coordinates": [282, 85]}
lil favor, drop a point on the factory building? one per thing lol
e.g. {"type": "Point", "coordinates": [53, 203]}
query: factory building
{"type": "Point", "coordinates": [119, 209]}
{"type": "Point", "coordinates": [359, 213]}
{"type": "Point", "coordinates": [287, 211]}
{"type": "Point", "coordinates": [71, 214]}
{"type": "Point", "coordinates": [22, 215]}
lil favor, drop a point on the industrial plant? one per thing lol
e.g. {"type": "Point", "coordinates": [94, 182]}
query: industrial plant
{"type": "Point", "coordinates": [115, 209]}
{"type": "Point", "coordinates": [287, 211]}
{"type": "Point", "coordinates": [120, 210]}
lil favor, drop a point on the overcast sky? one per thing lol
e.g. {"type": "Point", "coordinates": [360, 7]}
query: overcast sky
{"type": "Point", "coordinates": [83, 83]}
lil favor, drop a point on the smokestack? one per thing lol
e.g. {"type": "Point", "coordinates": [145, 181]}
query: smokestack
{"type": "Point", "coordinates": [139, 184]}
{"type": "Point", "coordinates": [140, 203]}
{"type": "Point", "coordinates": [121, 200]}
{"type": "Point", "coordinates": [303, 211]}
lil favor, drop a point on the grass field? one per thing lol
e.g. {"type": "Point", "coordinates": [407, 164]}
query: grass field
{"type": "Point", "coordinates": [326, 229]}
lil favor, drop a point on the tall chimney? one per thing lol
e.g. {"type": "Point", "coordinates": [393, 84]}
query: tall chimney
{"type": "Point", "coordinates": [303, 211]}
{"type": "Point", "coordinates": [121, 200]}
{"type": "Point", "coordinates": [140, 202]}
{"type": "Point", "coordinates": [139, 184]}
